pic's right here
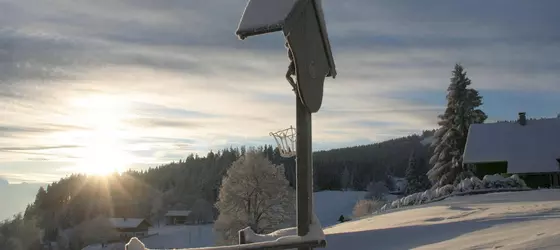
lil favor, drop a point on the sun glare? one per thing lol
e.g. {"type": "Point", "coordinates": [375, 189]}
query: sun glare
{"type": "Point", "coordinates": [104, 150]}
{"type": "Point", "coordinates": [103, 156]}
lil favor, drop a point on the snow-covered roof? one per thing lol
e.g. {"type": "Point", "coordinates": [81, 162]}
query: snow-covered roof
{"type": "Point", "coordinates": [125, 222]}
{"type": "Point", "coordinates": [267, 15]}
{"type": "Point", "coordinates": [532, 148]}
{"type": "Point", "coordinates": [178, 213]}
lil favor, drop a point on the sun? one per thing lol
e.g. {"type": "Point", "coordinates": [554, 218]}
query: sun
{"type": "Point", "coordinates": [104, 157]}
{"type": "Point", "coordinates": [104, 151]}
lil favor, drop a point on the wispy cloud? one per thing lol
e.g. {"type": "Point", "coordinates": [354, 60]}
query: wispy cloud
{"type": "Point", "coordinates": [162, 79]}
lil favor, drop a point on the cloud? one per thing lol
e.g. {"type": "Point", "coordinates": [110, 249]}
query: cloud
{"type": "Point", "coordinates": [154, 122]}
{"type": "Point", "coordinates": [167, 78]}
{"type": "Point", "coordinates": [36, 148]}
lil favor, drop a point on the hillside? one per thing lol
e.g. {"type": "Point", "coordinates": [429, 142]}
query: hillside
{"type": "Point", "coordinates": [515, 220]}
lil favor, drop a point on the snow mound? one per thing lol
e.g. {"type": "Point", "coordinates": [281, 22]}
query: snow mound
{"type": "Point", "coordinates": [287, 234]}
{"type": "Point", "coordinates": [473, 185]}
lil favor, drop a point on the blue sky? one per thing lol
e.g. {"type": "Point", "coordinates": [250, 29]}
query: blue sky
{"type": "Point", "coordinates": [90, 86]}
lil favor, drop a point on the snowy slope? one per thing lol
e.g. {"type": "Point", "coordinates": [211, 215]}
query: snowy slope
{"type": "Point", "coordinates": [329, 205]}
{"type": "Point", "coordinates": [181, 236]}
{"type": "Point", "coordinates": [515, 220]}
{"type": "Point", "coordinates": [171, 237]}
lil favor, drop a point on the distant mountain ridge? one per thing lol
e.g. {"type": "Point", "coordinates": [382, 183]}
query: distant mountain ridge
{"type": "Point", "coordinates": [15, 197]}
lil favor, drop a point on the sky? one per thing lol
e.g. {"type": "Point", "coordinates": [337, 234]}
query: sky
{"type": "Point", "coordinates": [93, 86]}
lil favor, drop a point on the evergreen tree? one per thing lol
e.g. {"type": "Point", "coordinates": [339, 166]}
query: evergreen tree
{"type": "Point", "coordinates": [449, 141]}
{"type": "Point", "coordinates": [415, 176]}
{"type": "Point", "coordinates": [345, 179]}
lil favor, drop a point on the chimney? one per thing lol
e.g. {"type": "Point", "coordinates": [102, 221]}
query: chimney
{"type": "Point", "coordinates": [522, 119]}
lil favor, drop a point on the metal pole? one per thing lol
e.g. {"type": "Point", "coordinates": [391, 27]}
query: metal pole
{"type": "Point", "coordinates": [304, 165]}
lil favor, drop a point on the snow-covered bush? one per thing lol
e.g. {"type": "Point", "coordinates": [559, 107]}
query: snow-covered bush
{"type": "Point", "coordinates": [396, 203]}
{"type": "Point", "coordinates": [519, 183]}
{"type": "Point", "coordinates": [464, 186]}
{"type": "Point", "coordinates": [488, 183]}
{"type": "Point", "coordinates": [426, 196]}
{"type": "Point", "coordinates": [410, 200]}
{"type": "Point", "coordinates": [477, 183]}
{"type": "Point", "coordinates": [469, 184]}
{"type": "Point", "coordinates": [498, 181]}
{"type": "Point", "coordinates": [444, 191]}
{"type": "Point", "coordinates": [366, 207]}
{"type": "Point", "coordinates": [384, 207]}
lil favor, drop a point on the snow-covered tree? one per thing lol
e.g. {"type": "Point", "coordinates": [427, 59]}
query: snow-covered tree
{"type": "Point", "coordinates": [415, 176]}
{"type": "Point", "coordinates": [157, 210]}
{"type": "Point", "coordinates": [254, 193]}
{"type": "Point", "coordinates": [376, 190]}
{"type": "Point", "coordinates": [449, 140]}
{"type": "Point", "coordinates": [202, 211]}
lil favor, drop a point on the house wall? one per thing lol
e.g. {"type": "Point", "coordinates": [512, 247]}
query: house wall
{"type": "Point", "coordinates": [544, 180]}
{"type": "Point", "coordinates": [533, 180]}
{"type": "Point", "coordinates": [127, 233]}
{"type": "Point", "coordinates": [139, 231]}
{"type": "Point", "coordinates": [176, 220]}
{"type": "Point", "coordinates": [489, 168]}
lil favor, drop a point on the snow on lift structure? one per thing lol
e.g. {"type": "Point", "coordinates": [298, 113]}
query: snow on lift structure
{"type": "Point", "coordinates": [303, 25]}
{"type": "Point", "coordinates": [286, 141]}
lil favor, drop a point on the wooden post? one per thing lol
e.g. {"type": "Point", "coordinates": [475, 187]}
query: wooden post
{"type": "Point", "coordinates": [304, 167]}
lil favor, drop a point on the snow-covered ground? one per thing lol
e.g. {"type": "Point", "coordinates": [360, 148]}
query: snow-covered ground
{"type": "Point", "coordinates": [514, 220]}
{"type": "Point", "coordinates": [329, 205]}
{"type": "Point", "coordinates": [180, 237]}
{"type": "Point", "coordinates": [509, 220]}
{"type": "Point", "coordinates": [167, 237]}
